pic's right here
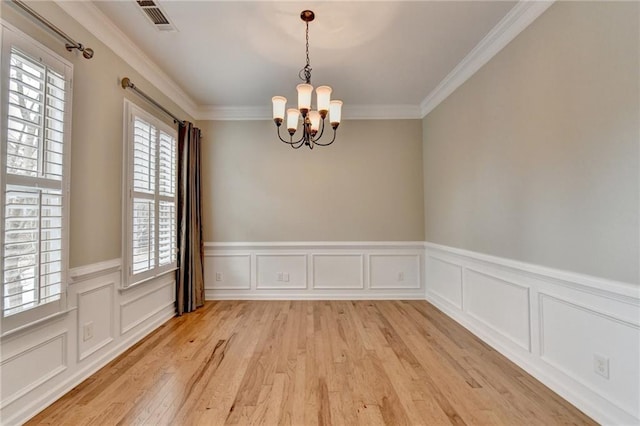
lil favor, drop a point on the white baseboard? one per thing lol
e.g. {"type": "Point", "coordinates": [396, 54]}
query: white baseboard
{"type": "Point", "coordinates": [213, 295]}
{"type": "Point", "coordinates": [549, 322]}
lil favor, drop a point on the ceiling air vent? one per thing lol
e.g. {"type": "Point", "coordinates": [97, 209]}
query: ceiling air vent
{"type": "Point", "coordinates": [156, 15]}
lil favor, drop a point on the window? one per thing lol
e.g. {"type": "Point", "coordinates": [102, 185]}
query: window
{"type": "Point", "coordinates": [36, 105]}
{"type": "Point", "coordinates": [151, 237]}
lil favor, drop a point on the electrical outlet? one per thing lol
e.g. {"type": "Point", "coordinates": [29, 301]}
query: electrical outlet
{"type": "Point", "coordinates": [601, 365]}
{"type": "Point", "coordinates": [400, 276]}
{"type": "Point", "coordinates": [87, 331]}
{"type": "Point", "coordinates": [285, 277]}
{"type": "Point", "coordinates": [218, 276]}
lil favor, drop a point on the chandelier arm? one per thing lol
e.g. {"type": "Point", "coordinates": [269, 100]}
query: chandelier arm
{"type": "Point", "coordinates": [329, 143]}
{"type": "Point", "coordinates": [301, 142]}
{"type": "Point", "coordinates": [289, 142]}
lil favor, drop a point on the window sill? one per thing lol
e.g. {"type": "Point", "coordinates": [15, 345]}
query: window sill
{"type": "Point", "coordinates": [146, 280]}
{"type": "Point", "coordinates": [48, 319]}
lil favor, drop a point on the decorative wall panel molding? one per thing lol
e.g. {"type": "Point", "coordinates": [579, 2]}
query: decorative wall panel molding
{"type": "Point", "coordinates": [512, 321]}
{"type": "Point", "coordinates": [32, 366]}
{"type": "Point", "coordinates": [445, 280]}
{"type": "Point", "coordinates": [577, 334]}
{"type": "Point", "coordinates": [95, 318]}
{"type": "Point", "coordinates": [229, 271]}
{"type": "Point", "coordinates": [617, 341]}
{"type": "Point", "coordinates": [281, 271]}
{"type": "Point", "coordinates": [36, 368]}
{"type": "Point", "coordinates": [394, 271]}
{"type": "Point", "coordinates": [158, 296]}
{"type": "Point", "coordinates": [343, 271]}
{"type": "Point", "coordinates": [314, 270]}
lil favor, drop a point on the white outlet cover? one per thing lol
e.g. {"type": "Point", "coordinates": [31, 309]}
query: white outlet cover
{"type": "Point", "coordinates": [88, 331]}
{"type": "Point", "coordinates": [601, 365]}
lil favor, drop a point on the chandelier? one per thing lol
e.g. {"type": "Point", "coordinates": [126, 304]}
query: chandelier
{"type": "Point", "coordinates": [312, 120]}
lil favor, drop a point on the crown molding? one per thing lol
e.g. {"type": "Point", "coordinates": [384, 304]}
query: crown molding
{"type": "Point", "coordinates": [234, 113]}
{"type": "Point", "coordinates": [381, 112]}
{"type": "Point", "coordinates": [350, 112]}
{"type": "Point", "coordinates": [97, 23]}
{"type": "Point", "coordinates": [513, 23]}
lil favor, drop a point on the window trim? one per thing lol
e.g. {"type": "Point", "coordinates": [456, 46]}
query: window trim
{"type": "Point", "coordinates": [129, 279]}
{"type": "Point", "coordinates": [10, 37]}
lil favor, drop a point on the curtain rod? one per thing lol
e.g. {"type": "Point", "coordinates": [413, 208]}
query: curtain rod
{"type": "Point", "coordinates": [70, 44]}
{"type": "Point", "coordinates": [126, 83]}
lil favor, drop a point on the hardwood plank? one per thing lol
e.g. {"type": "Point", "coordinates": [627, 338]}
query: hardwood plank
{"type": "Point", "coordinates": [311, 363]}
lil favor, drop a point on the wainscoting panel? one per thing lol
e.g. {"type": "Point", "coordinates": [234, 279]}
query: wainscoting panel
{"type": "Point", "coordinates": [228, 271]}
{"type": "Point", "coordinates": [393, 271]}
{"type": "Point", "coordinates": [446, 280]}
{"type": "Point", "coordinates": [33, 366]}
{"type": "Point", "coordinates": [158, 296]}
{"type": "Point", "coordinates": [577, 334]}
{"type": "Point", "coordinates": [281, 271]}
{"type": "Point", "coordinates": [95, 314]}
{"type": "Point", "coordinates": [317, 270]}
{"type": "Point", "coordinates": [43, 361]}
{"type": "Point", "coordinates": [511, 321]}
{"type": "Point", "coordinates": [618, 343]}
{"type": "Point", "coordinates": [344, 271]}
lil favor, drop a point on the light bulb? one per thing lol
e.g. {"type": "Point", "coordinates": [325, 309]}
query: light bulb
{"type": "Point", "coordinates": [304, 97]}
{"type": "Point", "coordinates": [314, 117]}
{"type": "Point", "coordinates": [292, 120]}
{"type": "Point", "coordinates": [279, 104]}
{"type": "Point", "coordinates": [323, 94]}
{"type": "Point", "coordinates": [335, 113]}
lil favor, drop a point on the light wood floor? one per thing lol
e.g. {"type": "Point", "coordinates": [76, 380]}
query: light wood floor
{"type": "Point", "coordinates": [311, 362]}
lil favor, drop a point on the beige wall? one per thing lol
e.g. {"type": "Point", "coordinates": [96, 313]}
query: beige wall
{"type": "Point", "coordinates": [536, 156]}
{"type": "Point", "coordinates": [96, 151]}
{"type": "Point", "coordinates": [367, 186]}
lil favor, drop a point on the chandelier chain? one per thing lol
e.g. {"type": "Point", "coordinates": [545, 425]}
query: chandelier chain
{"type": "Point", "coordinates": [307, 68]}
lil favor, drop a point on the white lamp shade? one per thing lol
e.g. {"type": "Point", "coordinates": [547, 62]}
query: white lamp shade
{"type": "Point", "coordinates": [304, 96]}
{"type": "Point", "coordinates": [279, 104]}
{"type": "Point", "coordinates": [314, 117]}
{"type": "Point", "coordinates": [335, 111]}
{"type": "Point", "coordinates": [323, 93]}
{"type": "Point", "coordinates": [292, 119]}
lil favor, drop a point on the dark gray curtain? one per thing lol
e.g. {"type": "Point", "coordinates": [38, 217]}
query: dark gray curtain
{"type": "Point", "coordinates": [190, 275]}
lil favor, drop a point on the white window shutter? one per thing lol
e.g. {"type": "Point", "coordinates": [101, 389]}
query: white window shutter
{"type": "Point", "coordinates": [33, 225]}
{"type": "Point", "coordinates": [152, 179]}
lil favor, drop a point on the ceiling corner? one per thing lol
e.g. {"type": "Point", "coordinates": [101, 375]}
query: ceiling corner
{"type": "Point", "coordinates": [513, 23]}
{"type": "Point", "coordinates": [97, 23]}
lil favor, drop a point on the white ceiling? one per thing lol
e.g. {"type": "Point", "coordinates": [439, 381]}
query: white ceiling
{"type": "Point", "coordinates": [238, 54]}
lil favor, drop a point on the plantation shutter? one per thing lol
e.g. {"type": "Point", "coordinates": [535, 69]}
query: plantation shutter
{"type": "Point", "coordinates": [33, 192]}
{"type": "Point", "coordinates": [152, 182]}
{"type": "Point", "coordinates": [167, 198]}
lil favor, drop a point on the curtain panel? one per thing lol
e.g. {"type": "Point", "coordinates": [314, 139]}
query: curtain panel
{"type": "Point", "coordinates": [190, 274]}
